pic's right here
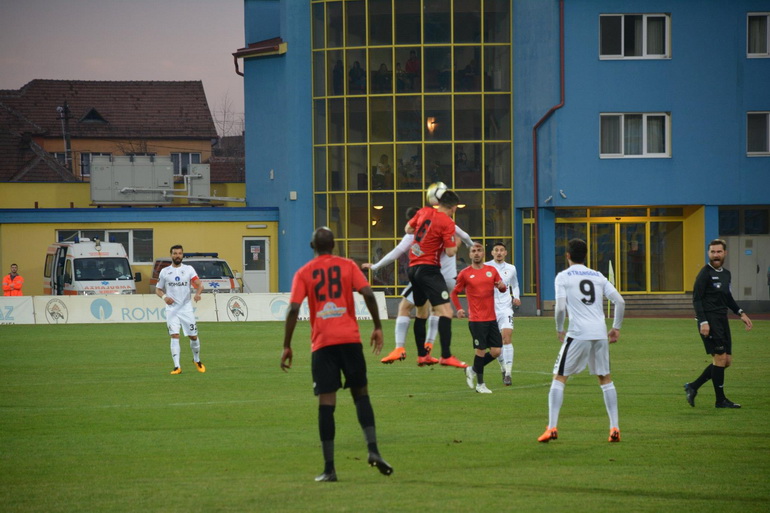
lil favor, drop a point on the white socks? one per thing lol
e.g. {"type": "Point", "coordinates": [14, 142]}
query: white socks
{"type": "Point", "coordinates": [402, 328]}
{"type": "Point", "coordinates": [195, 345]}
{"type": "Point", "coordinates": [175, 351]}
{"type": "Point", "coordinates": [506, 359]}
{"type": "Point", "coordinates": [432, 329]}
{"type": "Point", "coordinates": [611, 402]}
{"type": "Point", "coordinates": [555, 399]}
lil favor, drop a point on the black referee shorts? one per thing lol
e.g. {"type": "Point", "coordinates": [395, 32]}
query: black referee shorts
{"type": "Point", "coordinates": [328, 362]}
{"type": "Point", "coordinates": [428, 284]}
{"type": "Point", "coordinates": [719, 340]}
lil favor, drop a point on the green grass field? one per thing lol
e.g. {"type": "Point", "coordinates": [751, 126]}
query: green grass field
{"type": "Point", "coordinates": [91, 421]}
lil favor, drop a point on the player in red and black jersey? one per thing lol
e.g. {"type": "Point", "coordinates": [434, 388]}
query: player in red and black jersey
{"type": "Point", "coordinates": [328, 283]}
{"type": "Point", "coordinates": [479, 282]}
{"type": "Point", "coordinates": [434, 233]}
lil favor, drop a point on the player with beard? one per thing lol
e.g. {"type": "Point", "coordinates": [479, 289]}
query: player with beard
{"type": "Point", "coordinates": [504, 303]}
{"type": "Point", "coordinates": [174, 288]}
{"type": "Point", "coordinates": [711, 297]}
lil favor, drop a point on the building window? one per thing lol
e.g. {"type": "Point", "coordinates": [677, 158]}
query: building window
{"type": "Point", "coordinates": [137, 243]}
{"type": "Point", "coordinates": [182, 162]}
{"type": "Point", "coordinates": [758, 37]}
{"type": "Point", "coordinates": [758, 133]}
{"type": "Point", "coordinates": [635, 135]}
{"type": "Point", "coordinates": [634, 36]}
{"type": "Point", "coordinates": [85, 162]}
{"type": "Point", "coordinates": [405, 93]}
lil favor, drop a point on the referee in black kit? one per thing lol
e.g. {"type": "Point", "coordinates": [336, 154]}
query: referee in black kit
{"type": "Point", "coordinates": [711, 298]}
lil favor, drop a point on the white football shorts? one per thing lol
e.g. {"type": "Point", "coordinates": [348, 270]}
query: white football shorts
{"type": "Point", "coordinates": [181, 317]}
{"type": "Point", "coordinates": [574, 355]}
{"type": "Point", "coordinates": [504, 318]}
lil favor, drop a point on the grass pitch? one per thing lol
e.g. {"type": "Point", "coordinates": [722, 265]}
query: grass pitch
{"type": "Point", "coordinates": [91, 420]}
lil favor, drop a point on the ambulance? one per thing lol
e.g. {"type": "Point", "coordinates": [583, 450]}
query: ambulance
{"type": "Point", "coordinates": [88, 267]}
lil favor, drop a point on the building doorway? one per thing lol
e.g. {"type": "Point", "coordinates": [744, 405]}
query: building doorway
{"type": "Point", "coordinates": [256, 264]}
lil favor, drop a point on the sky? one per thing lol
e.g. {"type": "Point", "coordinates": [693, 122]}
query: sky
{"type": "Point", "coordinates": [125, 40]}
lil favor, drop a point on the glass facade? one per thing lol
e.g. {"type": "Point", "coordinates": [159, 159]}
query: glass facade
{"type": "Point", "coordinates": [406, 93]}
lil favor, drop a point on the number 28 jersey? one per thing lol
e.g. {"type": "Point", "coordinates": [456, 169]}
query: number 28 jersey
{"type": "Point", "coordinates": [584, 290]}
{"type": "Point", "coordinates": [328, 283]}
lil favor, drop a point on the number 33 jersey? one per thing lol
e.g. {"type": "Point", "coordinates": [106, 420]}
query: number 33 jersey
{"type": "Point", "coordinates": [584, 291]}
{"type": "Point", "coordinates": [328, 283]}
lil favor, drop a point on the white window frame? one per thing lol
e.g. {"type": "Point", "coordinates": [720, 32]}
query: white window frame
{"type": "Point", "coordinates": [645, 55]}
{"type": "Point", "coordinates": [645, 117]}
{"type": "Point", "coordinates": [85, 168]}
{"type": "Point", "coordinates": [766, 54]}
{"type": "Point", "coordinates": [767, 134]}
{"type": "Point", "coordinates": [178, 157]}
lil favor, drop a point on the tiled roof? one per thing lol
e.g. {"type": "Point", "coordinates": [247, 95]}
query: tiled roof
{"type": "Point", "coordinates": [227, 169]}
{"type": "Point", "coordinates": [149, 109]}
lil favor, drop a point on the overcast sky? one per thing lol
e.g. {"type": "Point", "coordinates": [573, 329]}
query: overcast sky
{"type": "Point", "coordinates": [124, 40]}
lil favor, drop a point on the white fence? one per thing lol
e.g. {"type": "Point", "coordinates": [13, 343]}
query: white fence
{"type": "Point", "coordinates": [108, 309]}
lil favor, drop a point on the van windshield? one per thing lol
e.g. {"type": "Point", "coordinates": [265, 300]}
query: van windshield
{"type": "Point", "coordinates": [95, 269]}
{"type": "Point", "coordinates": [213, 270]}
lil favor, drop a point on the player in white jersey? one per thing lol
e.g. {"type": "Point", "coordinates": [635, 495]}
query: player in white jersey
{"type": "Point", "coordinates": [448, 271]}
{"type": "Point", "coordinates": [174, 288]}
{"type": "Point", "coordinates": [504, 303]}
{"type": "Point", "coordinates": [580, 291]}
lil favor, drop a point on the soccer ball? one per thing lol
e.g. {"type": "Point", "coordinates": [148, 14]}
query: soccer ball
{"type": "Point", "coordinates": [435, 191]}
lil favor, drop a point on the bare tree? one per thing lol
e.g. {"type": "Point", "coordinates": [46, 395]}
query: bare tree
{"type": "Point", "coordinates": [227, 121]}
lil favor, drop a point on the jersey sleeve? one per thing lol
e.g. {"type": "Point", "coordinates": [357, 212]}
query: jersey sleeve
{"type": "Point", "coordinates": [395, 253]}
{"type": "Point", "coordinates": [496, 277]}
{"type": "Point", "coordinates": [161, 280]}
{"type": "Point", "coordinates": [459, 287]}
{"type": "Point", "coordinates": [698, 292]}
{"type": "Point", "coordinates": [514, 283]}
{"type": "Point", "coordinates": [298, 288]}
{"type": "Point", "coordinates": [463, 235]}
{"type": "Point", "coordinates": [449, 234]}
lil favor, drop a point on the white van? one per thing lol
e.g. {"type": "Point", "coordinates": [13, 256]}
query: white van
{"type": "Point", "coordinates": [88, 267]}
{"type": "Point", "coordinates": [214, 272]}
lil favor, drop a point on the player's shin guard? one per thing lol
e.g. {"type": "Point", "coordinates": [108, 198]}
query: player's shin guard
{"type": "Point", "coordinates": [419, 336]}
{"type": "Point", "coordinates": [402, 328]}
{"type": "Point", "coordinates": [432, 328]}
{"type": "Point", "coordinates": [365, 414]}
{"type": "Point", "coordinates": [326, 430]}
{"type": "Point", "coordinates": [445, 333]}
{"type": "Point", "coordinates": [718, 379]}
{"type": "Point", "coordinates": [555, 400]}
{"type": "Point", "coordinates": [195, 345]}
{"type": "Point", "coordinates": [175, 351]}
{"type": "Point", "coordinates": [611, 402]}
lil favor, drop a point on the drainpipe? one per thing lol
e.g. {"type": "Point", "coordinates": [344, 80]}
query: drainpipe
{"type": "Point", "coordinates": [535, 185]}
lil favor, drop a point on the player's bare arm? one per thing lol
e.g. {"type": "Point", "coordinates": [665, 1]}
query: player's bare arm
{"type": "Point", "coordinates": [291, 323]}
{"type": "Point", "coordinates": [198, 284]}
{"type": "Point", "coordinates": [162, 294]}
{"type": "Point", "coordinates": [376, 339]}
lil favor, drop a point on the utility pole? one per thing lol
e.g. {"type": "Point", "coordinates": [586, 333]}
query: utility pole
{"type": "Point", "coordinates": [64, 115]}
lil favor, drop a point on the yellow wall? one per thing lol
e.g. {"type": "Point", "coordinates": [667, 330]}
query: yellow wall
{"type": "Point", "coordinates": [78, 195]}
{"type": "Point", "coordinates": [26, 244]}
{"type": "Point", "coordinates": [694, 256]}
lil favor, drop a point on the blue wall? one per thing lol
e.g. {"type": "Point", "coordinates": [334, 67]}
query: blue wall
{"type": "Point", "coordinates": [278, 126]}
{"type": "Point", "coordinates": [708, 86]}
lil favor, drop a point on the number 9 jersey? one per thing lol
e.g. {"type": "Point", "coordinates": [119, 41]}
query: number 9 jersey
{"type": "Point", "coordinates": [328, 282]}
{"type": "Point", "coordinates": [584, 291]}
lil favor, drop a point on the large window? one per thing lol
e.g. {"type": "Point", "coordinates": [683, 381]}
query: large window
{"type": "Point", "coordinates": [85, 162]}
{"type": "Point", "coordinates": [758, 133]}
{"type": "Point", "coordinates": [405, 93]}
{"type": "Point", "coordinates": [758, 35]}
{"type": "Point", "coordinates": [182, 162]}
{"type": "Point", "coordinates": [635, 135]}
{"type": "Point", "coordinates": [634, 36]}
{"type": "Point", "coordinates": [137, 243]}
